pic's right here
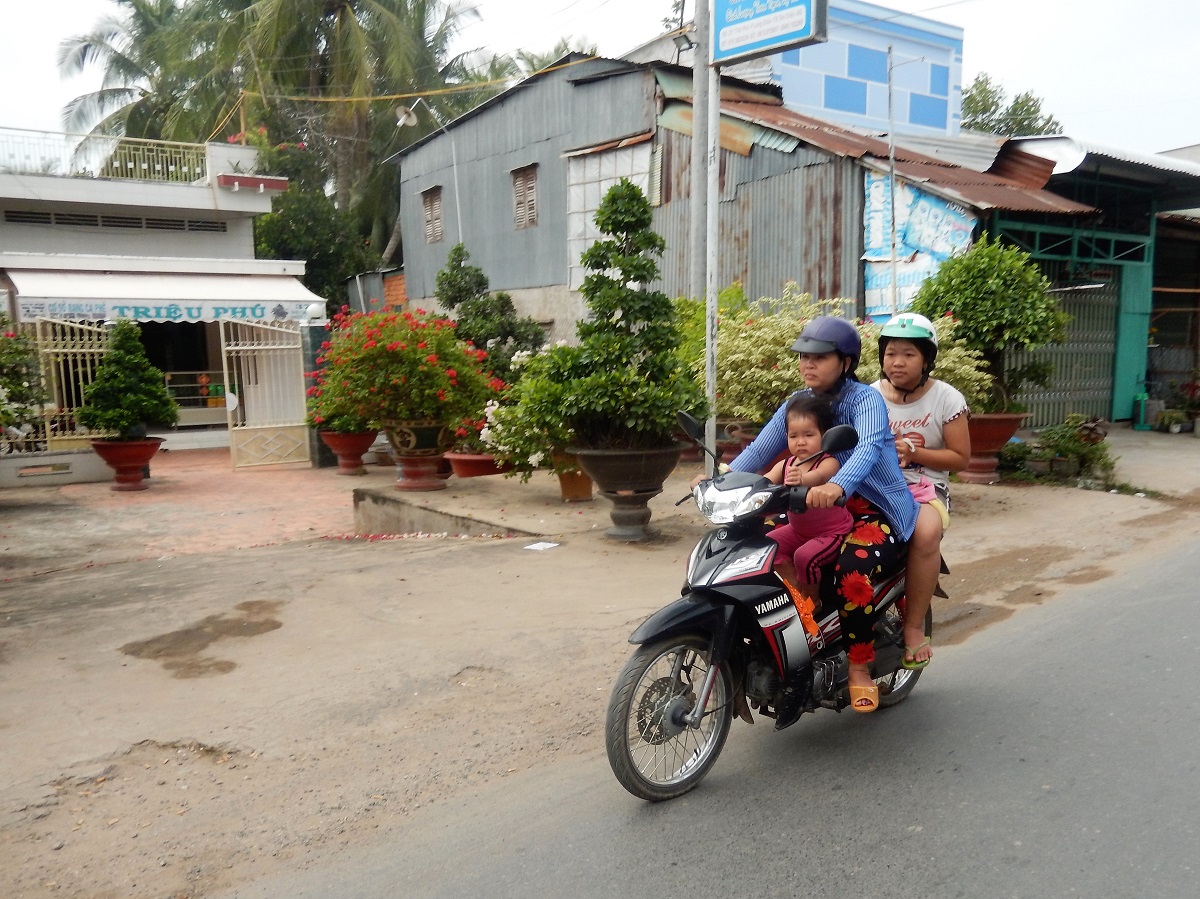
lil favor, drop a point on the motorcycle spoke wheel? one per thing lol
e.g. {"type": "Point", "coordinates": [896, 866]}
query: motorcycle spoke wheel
{"type": "Point", "coordinates": [653, 753]}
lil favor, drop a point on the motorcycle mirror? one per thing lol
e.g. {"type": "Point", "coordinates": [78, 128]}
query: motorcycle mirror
{"type": "Point", "coordinates": [691, 425]}
{"type": "Point", "coordinates": [838, 439]}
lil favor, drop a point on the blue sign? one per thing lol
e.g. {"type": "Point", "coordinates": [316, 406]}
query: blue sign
{"type": "Point", "coordinates": [745, 29]}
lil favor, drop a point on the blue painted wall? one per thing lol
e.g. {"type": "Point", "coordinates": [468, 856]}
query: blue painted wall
{"type": "Point", "coordinates": [845, 78]}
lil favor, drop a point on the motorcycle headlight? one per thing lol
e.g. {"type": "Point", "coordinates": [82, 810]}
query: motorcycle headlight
{"type": "Point", "coordinates": [724, 506]}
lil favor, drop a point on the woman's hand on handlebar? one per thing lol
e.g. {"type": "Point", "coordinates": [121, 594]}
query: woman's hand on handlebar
{"type": "Point", "coordinates": [824, 496]}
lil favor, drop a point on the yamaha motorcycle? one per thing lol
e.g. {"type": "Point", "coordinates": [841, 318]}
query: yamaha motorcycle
{"type": "Point", "coordinates": [738, 639]}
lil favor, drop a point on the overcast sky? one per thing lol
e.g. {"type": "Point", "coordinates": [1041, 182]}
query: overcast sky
{"type": "Point", "coordinates": [1113, 72]}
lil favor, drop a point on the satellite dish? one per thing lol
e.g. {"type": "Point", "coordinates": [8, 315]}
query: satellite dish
{"type": "Point", "coordinates": [405, 116]}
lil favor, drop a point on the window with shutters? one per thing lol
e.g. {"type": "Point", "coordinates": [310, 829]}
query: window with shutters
{"type": "Point", "coordinates": [431, 201]}
{"type": "Point", "coordinates": [525, 214]}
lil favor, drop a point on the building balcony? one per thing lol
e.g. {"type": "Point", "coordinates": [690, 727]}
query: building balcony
{"type": "Point", "coordinates": [131, 172]}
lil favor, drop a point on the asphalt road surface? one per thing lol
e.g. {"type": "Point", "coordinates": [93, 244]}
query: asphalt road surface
{"type": "Point", "coordinates": [1054, 754]}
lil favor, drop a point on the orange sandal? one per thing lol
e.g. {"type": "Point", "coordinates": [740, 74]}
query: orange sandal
{"type": "Point", "coordinates": [864, 699]}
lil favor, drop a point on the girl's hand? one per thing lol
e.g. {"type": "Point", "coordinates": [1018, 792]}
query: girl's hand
{"type": "Point", "coordinates": [904, 451]}
{"type": "Point", "coordinates": [793, 476]}
{"type": "Point", "coordinates": [824, 496]}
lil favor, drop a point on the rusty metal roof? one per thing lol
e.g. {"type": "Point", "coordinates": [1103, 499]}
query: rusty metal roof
{"type": "Point", "coordinates": [953, 182]}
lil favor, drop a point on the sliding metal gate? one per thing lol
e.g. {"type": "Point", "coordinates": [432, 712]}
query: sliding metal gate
{"type": "Point", "coordinates": [264, 369]}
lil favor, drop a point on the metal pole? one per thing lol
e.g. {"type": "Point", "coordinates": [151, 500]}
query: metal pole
{"type": "Point", "coordinates": [712, 237]}
{"type": "Point", "coordinates": [892, 181]}
{"type": "Point", "coordinates": [699, 161]}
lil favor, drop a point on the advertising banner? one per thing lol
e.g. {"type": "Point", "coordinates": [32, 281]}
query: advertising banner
{"type": "Point", "coordinates": [929, 230]}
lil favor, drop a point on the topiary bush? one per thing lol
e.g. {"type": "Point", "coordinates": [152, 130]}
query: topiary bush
{"type": "Point", "coordinates": [621, 387]}
{"type": "Point", "coordinates": [128, 394]}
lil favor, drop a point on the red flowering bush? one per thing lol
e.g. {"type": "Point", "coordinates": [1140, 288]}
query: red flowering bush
{"type": "Point", "coordinates": [383, 366]}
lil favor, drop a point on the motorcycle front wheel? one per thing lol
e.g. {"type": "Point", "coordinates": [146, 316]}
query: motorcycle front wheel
{"type": "Point", "coordinates": [653, 753]}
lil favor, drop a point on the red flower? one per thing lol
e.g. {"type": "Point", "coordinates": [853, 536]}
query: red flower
{"type": "Point", "coordinates": [867, 533]}
{"type": "Point", "coordinates": [857, 590]}
{"type": "Point", "coordinates": [861, 653]}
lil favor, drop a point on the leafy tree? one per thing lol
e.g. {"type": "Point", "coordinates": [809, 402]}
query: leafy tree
{"type": "Point", "coordinates": [986, 107]}
{"type": "Point", "coordinates": [999, 296]}
{"type": "Point", "coordinates": [304, 224]}
{"type": "Point", "coordinates": [675, 19]}
{"type": "Point", "coordinates": [489, 322]}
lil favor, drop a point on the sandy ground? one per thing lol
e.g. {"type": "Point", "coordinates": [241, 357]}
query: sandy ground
{"type": "Point", "coordinates": [222, 684]}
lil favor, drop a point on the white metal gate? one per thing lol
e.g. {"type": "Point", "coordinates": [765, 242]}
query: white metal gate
{"type": "Point", "coordinates": [264, 368]}
{"type": "Point", "coordinates": [70, 353]}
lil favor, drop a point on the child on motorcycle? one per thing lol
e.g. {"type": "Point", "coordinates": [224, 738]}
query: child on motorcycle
{"type": "Point", "coordinates": [811, 540]}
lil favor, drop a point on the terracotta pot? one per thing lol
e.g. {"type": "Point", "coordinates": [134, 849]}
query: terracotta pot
{"type": "Point", "coordinates": [475, 465]}
{"type": "Point", "coordinates": [129, 460]}
{"type": "Point", "coordinates": [417, 447]}
{"type": "Point", "coordinates": [575, 487]}
{"type": "Point", "coordinates": [349, 449]}
{"type": "Point", "coordinates": [989, 432]}
{"type": "Point", "coordinates": [629, 479]}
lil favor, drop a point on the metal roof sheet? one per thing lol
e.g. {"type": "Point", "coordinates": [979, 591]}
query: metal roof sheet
{"type": "Point", "coordinates": [955, 182]}
{"type": "Point", "coordinates": [1069, 153]}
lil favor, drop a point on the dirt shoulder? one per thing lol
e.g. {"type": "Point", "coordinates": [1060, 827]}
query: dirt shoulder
{"type": "Point", "coordinates": [187, 721]}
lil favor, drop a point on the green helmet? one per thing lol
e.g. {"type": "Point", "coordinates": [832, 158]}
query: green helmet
{"type": "Point", "coordinates": [910, 326]}
{"type": "Point", "coordinates": [914, 328]}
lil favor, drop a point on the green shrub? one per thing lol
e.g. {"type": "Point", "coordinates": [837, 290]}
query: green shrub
{"type": "Point", "coordinates": [128, 393]}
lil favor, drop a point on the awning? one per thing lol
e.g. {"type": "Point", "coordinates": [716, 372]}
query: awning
{"type": "Point", "coordinates": [170, 297]}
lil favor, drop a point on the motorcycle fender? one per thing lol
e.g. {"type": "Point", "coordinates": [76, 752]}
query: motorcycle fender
{"type": "Point", "coordinates": [691, 613]}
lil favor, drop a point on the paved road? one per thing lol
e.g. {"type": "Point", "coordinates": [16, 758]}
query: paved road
{"type": "Point", "coordinates": [1055, 754]}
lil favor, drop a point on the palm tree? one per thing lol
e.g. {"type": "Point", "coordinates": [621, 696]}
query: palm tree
{"type": "Point", "coordinates": [142, 79]}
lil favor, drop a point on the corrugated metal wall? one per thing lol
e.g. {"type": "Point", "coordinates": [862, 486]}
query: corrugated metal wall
{"type": "Point", "coordinates": [532, 125]}
{"type": "Point", "coordinates": [1083, 365]}
{"type": "Point", "coordinates": [784, 217]}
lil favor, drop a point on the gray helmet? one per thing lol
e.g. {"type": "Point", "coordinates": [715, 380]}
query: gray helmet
{"type": "Point", "coordinates": [829, 334]}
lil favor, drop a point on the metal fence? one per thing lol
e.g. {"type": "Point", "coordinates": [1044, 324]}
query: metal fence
{"type": "Point", "coordinates": [24, 152]}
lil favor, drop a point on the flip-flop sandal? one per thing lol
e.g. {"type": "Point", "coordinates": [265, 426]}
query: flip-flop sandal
{"type": "Point", "coordinates": [864, 699]}
{"type": "Point", "coordinates": [910, 653]}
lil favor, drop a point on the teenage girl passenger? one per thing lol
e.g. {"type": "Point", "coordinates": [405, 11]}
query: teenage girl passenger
{"type": "Point", "coordinates": [929, 420]}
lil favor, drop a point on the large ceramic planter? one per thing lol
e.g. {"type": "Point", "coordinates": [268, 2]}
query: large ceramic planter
{"type": "Point", "coordinates": [128, 460]}
{"type": "Point", "coordinates": [989, 432]}
{"type": "Point", "coordinates": [629, 479]}
{"type": "Point", "coordinates": [476, 465]}
{"type": "Point", "coordinates": [417, 447]}
{"type": "Point", "coordinates": [349, 449]}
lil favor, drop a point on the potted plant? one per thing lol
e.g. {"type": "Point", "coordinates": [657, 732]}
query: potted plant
{"type": "Point", "coordinates": [471, 454]}
{"type": "Point", "coordinates": [1074, 447]}
{"type": "Point", "coordinates": [21, 391]}
{"type": "Point", "coordinates": [1001, 300]}
{"type": "Point", "coordinates": [127, 395]}
{"type": "Point", "coordinates": [615, 395]}
{"type": "Point", "coordinates": [409, 375]}
{"type": "Point", "coordinates": [340, 416]}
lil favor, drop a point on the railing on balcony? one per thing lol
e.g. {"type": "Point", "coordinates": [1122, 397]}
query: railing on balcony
{"type": "Point", "coordinates": [26, 152]}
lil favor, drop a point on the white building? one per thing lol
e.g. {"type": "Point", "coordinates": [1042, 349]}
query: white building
{"type": "Point", "coordinates": [97, 229]}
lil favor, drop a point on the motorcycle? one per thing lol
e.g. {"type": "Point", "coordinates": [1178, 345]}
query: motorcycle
{"type": "Point", "coordinates": [737, 639]}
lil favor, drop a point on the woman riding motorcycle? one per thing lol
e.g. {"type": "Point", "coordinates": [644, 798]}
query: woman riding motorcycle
{"type": "Point", "coordinates": [870, 479]}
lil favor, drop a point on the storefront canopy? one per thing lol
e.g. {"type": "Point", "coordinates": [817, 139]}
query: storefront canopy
{"type": "Point", "coordinates": [152, 297]}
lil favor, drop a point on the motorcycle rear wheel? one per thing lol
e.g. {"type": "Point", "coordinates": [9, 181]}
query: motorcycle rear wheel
{"type": "Point", "coordinates": [895, 687]}
{"type": "Point", "coordinates": [652, 753]}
